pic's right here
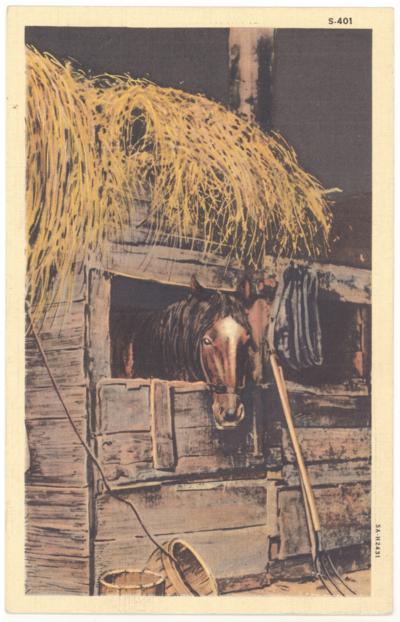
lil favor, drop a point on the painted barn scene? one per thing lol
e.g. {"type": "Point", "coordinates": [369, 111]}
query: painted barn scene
{"type": "Point", "coordinates": [198, 311]}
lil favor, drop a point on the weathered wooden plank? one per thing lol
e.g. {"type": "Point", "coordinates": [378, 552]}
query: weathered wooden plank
{"type": "Point", "coordinates": [57, 508]}
{"type": "Point", "coordinates": [162, 426]}
{"type": "Point", "coordinates": [250, 72]}
{"type": "Point", "coordinates": [43, 403]}
{"type": "Point", "coordinates": [319, 409]}
{"type": "Point", "coordinates": [57, 521]}
{"type": "Point", "coordinates": [338, 282]}
{"type": "Point", "coordinates": [206, 441]}
{"type": "Point", "coordinates": [125, 471]}
{"type": "Point", "coordinates": [56, 541]}
{"type": "Point", "coordinates": [73, 291]}
{"type": "Point", "coordinates": [320, 444]}
{"type": "Point", "coordinates": [124, 455]}
{"type": "Point", "coordinates": [63, 326]}
{"type": "Point", "coordinates": [330, 473]}
{"type": "Point", "coordinates": [66, 365]}
{"type": "Point", "coordinates": [98, 325]}
{"type": "Point", "coordinates": [169, 265]}
{"type": "Point", "coordinates": [58, 574]}
{"type": "Point", "coordinates": [123, 406]}
{"type": "Point", "coordinates": [183, 508]}
{"type": "Point", "coordinates": [344, 513]}
{"type": "Point", "coordinates": [195, 438]}
{"type": "Point", "coordinates": [346, 559]}
{"type": "Point", "coordinates": [331, 411]}
{"type": "Point", "coordinates": [192, 408]}
{"type": "Point", "coordinates": [243, 583]}
{"type": "Point", "coordinates": [166, 264]}
{"type": "Point", "coordinates": [57, 457]}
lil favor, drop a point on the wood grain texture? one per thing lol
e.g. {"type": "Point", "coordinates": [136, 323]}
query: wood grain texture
{"type": "Point", "coordinates": [329, 473]}
{"type": "Point", "coordinates": [57, 507]}
{"type": "Point", "coordinates": [123, 406]}
{"type": "Point", "coordinates": [231, 540]}
{"type": "Point", "coordinates": [193, 443]}
{"type": "Point", "coordinates": [174, 508]}
{"type": "Point", "coordinates": [130, 256]}
{"type": "Point", "coordinates": [346, 559]}
{"type": "Point", "coordinates": [319, 409]}
{"type": "Point", "coordinates": [344, 512]}
{"type": "Point", "coordinates": [57, 457]}
{"type": "Point", "coordinates": [329, 444]}
{"type": "Point", "coordinates": [44, 403]}
{"type": "Point", "coordinates": [330, 411]}
{"type": "Point", "coordinates": [61, 327]}
{"type": "Point", "coordinates": [162, 432]}
{"type": "Point", "coordinates": [99, 288]}
{"type": "Point", "coordinates": [67, 366]}
{"type": "Point", "coordinates": [59, 574]}
{"type": "Point", "coordinates": [125, 454]}
{"type": "Point", "coordinates": [337, 282]}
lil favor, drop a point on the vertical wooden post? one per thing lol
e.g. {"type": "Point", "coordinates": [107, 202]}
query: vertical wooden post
{"type": "Point", "coordinates": [250, 65]}
{"type": "Point", "coordinates": [161, 425]}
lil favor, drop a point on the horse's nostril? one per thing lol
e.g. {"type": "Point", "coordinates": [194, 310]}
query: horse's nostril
{"type": "Point", "coordinates": [230, 415]}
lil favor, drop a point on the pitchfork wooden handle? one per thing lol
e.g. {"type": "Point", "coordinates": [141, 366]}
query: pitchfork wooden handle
{"type": "Point", "coordinates": [278, 375]}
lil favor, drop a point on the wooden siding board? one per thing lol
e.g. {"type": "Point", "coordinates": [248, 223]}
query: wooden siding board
{"type": "Point", "coordinates": [329, 444]}
{"type": "Point", "coordinates": [44, 403]}
{"type": "Point", "coordinates": [123, 406]}
{"type": "Point", "coordinates": [176, 508]}
{"type": "Point", "coordinates": [62, 327]}
{"type": "Point", "coordinates": [64, 508]}
{"type": "Point", "coordinates": [67, 366]}
{"type": "Point", "coordinates": [344, 512]}
{"type": "Point", "coordinates": [327, 473]}
{"type": "Point", "coordinates": [98, 326]}
{"type": "Point", "coordinates": [56, 455]}
{"type": "Point", "coordinates": [162, 426]}
{"type": "Point", "coordinates": [232, 541]}
{"type": "Point", "coordinates": [322, 410]}
{"type": "Point", "coordinates": [46, 574]}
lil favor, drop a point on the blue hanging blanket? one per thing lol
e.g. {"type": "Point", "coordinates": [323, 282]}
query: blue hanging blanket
{"type": "Point", "coordinates": [295, 329]}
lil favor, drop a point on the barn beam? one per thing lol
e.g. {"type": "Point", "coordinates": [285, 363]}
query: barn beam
{"type": "Point", "coordinates": [251, 52]}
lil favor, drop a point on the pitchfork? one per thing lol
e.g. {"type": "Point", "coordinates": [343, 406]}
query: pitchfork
{"type": "Point", "coordinates": [324, 568]}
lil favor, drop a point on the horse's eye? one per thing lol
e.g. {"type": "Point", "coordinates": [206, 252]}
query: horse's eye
{"type": "Point", "coordinates": [207, 341]}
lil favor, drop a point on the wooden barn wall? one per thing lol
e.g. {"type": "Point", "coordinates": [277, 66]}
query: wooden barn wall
{"type": "Point", "coordinates": [75, 530]}
{"type": "Point", "coordinates": [57, 494]}
{"type": "Point", "coordinates": [335, 436]}
{"type": "Point", "coordinates": [228, 513]}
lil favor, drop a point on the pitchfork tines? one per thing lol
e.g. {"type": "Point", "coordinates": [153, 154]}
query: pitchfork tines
{"type": "Point", "coordinates": [324, 567]}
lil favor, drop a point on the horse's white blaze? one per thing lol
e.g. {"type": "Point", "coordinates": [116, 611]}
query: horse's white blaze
{"type": "Point", "coordinates": [230, 332]}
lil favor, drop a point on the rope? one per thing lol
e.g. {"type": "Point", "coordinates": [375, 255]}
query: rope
{"type": "Point", "coordinates": [89, 452]}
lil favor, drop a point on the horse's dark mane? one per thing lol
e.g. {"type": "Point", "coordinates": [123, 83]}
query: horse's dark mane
{"type": "Point", "coordinates": [166, 343]}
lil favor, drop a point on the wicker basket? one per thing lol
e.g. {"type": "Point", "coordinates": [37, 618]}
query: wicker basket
{"type": "Point", "coordinates": [189, 577]}
{"type": "Point", "coordinates": [131, 581]}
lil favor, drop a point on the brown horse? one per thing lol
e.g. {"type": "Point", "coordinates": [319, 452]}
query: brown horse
{"type": "Point", "coordinates": [206, 337]}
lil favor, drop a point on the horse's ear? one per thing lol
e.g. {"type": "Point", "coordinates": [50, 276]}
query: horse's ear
{"type": "Point", "coordinates": [244, 288]}
{"type": "Point", "coordinates": [195, 286]}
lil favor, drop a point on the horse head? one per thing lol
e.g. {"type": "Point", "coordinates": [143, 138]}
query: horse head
{"type": "Point", "coordinates": [224, 345]}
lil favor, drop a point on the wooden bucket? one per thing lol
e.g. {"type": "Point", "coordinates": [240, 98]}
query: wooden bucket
{"type": "Point", "coordinates": [189, 577]}
{"type": "Point", "coordinates": [131, 581]}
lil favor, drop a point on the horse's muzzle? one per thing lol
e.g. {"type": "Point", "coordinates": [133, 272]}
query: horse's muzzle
{"type": "Point", "coordinates": [228, 411]}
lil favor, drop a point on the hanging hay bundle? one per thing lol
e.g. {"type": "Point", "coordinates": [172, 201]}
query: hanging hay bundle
{"type": "Point", "coordinates": [94, 144]}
